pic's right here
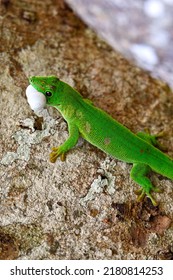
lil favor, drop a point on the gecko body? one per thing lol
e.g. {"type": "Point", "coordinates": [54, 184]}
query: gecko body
{"type": "Point", "coordinates": [104, 132]}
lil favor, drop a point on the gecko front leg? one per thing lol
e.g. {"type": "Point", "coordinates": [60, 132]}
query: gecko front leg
{"type": "Point", "coordinates": [67, 145]}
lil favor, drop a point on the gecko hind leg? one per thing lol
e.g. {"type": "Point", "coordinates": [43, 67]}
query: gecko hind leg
{"type": "Point", "coordinates": [152, 139]}
{"type": "Point", "coordinates": [139, 173]}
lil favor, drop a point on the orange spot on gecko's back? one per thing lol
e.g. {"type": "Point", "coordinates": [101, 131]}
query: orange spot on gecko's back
{"type": "Point", "coordinates": [141, 151]}
{"type": "Point", "coordinates": [107, 141]}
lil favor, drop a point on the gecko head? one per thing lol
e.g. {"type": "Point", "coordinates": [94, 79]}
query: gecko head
{"type": "Point", "coordinates": [43, 84]}
{"type": "Point", "coordinates": [48, 86]}
{"type": "Point", "coordinates": [55, 92]}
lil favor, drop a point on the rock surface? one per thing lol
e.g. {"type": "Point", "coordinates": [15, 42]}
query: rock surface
{"type": "Point", "coordinates": [85, 207]}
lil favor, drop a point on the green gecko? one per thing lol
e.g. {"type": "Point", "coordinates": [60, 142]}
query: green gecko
{"type": "Point", "coordinates": [104, 132]}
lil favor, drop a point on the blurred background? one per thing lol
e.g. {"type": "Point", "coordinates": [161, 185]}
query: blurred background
{"type": "Point", "coordinates": [140, 29]}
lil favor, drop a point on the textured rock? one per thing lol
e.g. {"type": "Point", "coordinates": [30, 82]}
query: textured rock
{"type": "Point", "coordinates": [83, 208]}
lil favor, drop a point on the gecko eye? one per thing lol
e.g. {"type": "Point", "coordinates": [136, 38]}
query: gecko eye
{"type": "Point", "coordinates": [48, 93]}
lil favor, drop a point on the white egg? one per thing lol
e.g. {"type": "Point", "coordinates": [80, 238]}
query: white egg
{"type": "Point", "coordinates": [36, 99]}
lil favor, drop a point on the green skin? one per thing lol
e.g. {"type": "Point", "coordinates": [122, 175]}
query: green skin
{"type": "Point", "coordinates": [101, 130]}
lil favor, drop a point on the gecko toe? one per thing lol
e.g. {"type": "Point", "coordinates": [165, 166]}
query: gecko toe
{"type": "Point", "coordinates": [142, 193]}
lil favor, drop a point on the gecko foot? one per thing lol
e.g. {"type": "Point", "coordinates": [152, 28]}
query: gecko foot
{"type": "Point", "coordinates": [153, 138]}
{"type": "Point", "coordinates": [158, 144]}
{"type": "Point", "coordinates": [56, 152]}
{"type": "Point", "coordinates": [142, 193]}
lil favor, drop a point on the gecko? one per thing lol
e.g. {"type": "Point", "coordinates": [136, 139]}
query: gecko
{"type": "Point", "coordinates": [101, 130]}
